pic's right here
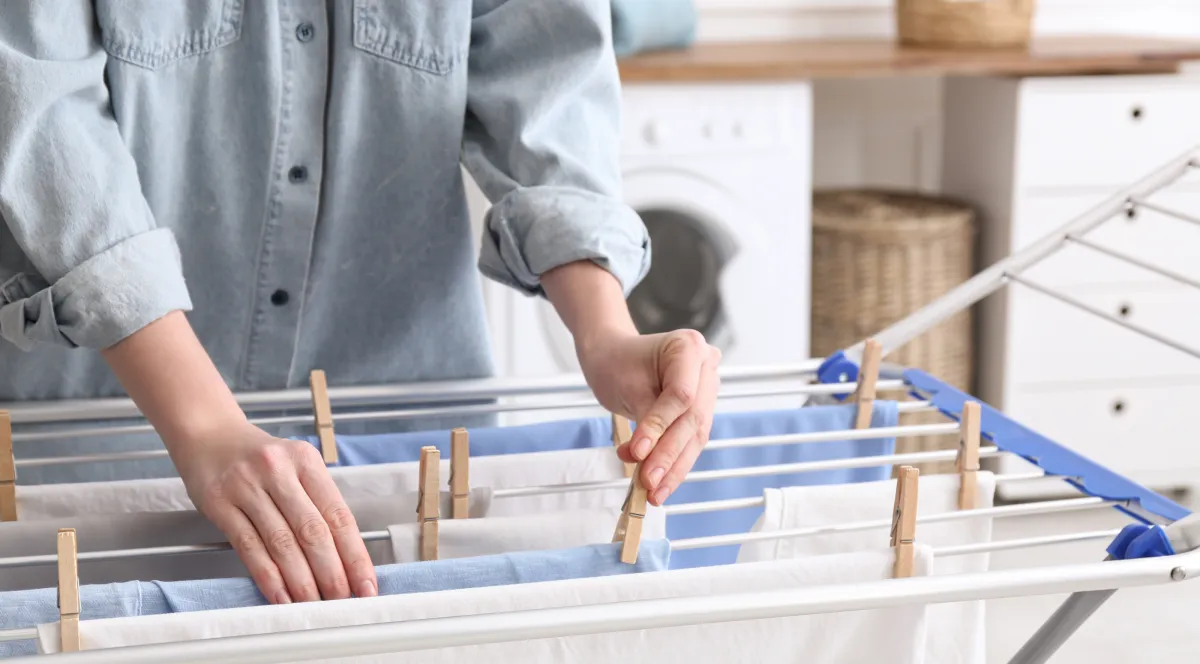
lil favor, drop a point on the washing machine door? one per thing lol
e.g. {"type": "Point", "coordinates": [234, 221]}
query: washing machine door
{"type": "Point", "coordinates": [693, 233]}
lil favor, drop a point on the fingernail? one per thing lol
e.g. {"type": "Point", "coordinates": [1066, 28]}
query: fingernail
{"type": "Point", "coordinates": [661, 495]}
{"type": "Point", "coordinates": [641, 449]}
{"type": "Point", "coordinates": [656, 476]}
{"type": "Point", "coordinates": [366, 588]}
{"type": "Point", "coordinates": [282, 597]}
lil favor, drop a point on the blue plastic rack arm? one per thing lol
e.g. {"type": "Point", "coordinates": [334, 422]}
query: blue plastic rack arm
{"type": "Point", "coordinates": [1054, 459]}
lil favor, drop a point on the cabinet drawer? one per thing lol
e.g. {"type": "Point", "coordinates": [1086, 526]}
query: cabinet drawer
{"type": "Point", "coordinates": [1103, 132]}
{"type": "Point", "coordinates": [1162, 240]}
{"type": "Point", "coordinates": [1137, 430]}
{"type": "Point", "coordinates": [1053, 342]}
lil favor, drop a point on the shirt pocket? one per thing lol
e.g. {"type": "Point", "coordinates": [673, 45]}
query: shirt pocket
{"type": "Point", "coordinates": [428, 35]}
{"type": "Point", "coordinates": [156, 33]}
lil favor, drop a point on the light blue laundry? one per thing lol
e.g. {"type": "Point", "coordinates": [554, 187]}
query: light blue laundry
{"type": "Point", "coordinates": [739, 425]}
{"type": "Point", "coordinates": [29, 608]}
{"type": "Point", "coordinates": [597, 432]}
{"type": "Point", "coordinates": [651, 25]}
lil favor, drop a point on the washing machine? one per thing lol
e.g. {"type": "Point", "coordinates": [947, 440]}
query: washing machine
{"type": "Point", "coordinates": [721, 175]}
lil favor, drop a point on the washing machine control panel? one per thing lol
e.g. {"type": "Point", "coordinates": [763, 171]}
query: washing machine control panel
{"type": "Point", "coordinates": [679, 120]}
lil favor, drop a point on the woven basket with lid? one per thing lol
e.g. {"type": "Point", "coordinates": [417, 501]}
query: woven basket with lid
{"type": "Point", "coordinates": [877, 257]}
{"type": "Point", "coordinates": [964, 23]}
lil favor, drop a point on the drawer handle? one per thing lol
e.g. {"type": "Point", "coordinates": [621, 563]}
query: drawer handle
{"type": "Point", "coordinates": [1131, 213]}
{"type": "Point", "coordinates": [1118, 407]}
{"type": "Point", "coordinates": [1125, 310]}
{"type": "Point", "coordinates": [1137, 113]}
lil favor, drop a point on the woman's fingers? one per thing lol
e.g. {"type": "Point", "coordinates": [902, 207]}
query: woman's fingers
{"type": "Point", "coordinates": [680, 362]}
{"type": "Point", "coordinates": [678, 470]}
{"type": "Point", "coordinates": [353, 557]}
{"type": "Point", "coordinates": [244, 539]}
{"type": "Point", "coordinates": [308, 525]}
{"type": "Point", "coordinates": [286, 519]}
{"type": "Point", "coordinates": [251, 496]}
{"type": "Point", "coordinates": [680, 446]}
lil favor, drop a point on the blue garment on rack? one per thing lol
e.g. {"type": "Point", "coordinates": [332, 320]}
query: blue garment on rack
{"type": "Point", "coordinates": [30, 608]}
{"type": "Point", "coordinates": [597, 432]}
{"type": "Point", "coordinates": [650, 25]}
{"type": "Point", "coordinates": [739, 425]}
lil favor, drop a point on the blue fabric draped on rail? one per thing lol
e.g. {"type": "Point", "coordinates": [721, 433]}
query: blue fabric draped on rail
{"type": "Point", "coordinates": [597, 432]}
{"type": "Point", "coordinates": [30, 608]}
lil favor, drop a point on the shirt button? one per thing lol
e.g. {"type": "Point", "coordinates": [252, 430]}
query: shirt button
{"type": "Point", "coordinates": [279, 298]}
{"type": "Point", "coordinates": [305, 32]}
{"type": "Point", "coordinates": [298, 174]}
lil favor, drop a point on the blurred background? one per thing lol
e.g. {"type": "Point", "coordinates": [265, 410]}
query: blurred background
{"type": "Point", "coordinates": [813, 170]}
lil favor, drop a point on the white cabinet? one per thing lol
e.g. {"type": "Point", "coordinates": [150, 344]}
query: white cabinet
{"type": "Point", "coordinates": [1031, 154]}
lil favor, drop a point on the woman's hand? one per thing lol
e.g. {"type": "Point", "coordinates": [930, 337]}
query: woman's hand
{"type": "Point", "coordinates": [666, 383]}
{"type": "Point", "coordinates": [280, 509]}
{"type": "Point", "coordinates": [273, 498]}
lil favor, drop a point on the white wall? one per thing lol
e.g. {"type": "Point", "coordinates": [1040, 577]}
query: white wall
{"type": "Point", "coordinates": [886, 132]}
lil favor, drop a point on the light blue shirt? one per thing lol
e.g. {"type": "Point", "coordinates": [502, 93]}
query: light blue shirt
{"type": "Point", "coordinates": [289, 172]}
{"type": "Point", "coordinates": [30, 608]}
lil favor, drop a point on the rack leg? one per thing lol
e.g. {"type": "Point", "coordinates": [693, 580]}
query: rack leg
{"type": "Point", "coordinates": [1059, 627]}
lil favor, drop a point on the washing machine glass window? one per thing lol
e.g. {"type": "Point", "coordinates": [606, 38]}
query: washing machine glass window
{"type": "Point", "coordinates": [682, 288]}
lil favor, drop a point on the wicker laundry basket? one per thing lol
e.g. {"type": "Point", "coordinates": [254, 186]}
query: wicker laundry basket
{"type": "Point", "coordinates": [964, 23]}
{"type": "Point", "coordinates": [877, 257]}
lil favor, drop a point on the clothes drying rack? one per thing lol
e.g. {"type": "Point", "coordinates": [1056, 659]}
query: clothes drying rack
{"type": "Point", "coordinates": [848, 372]}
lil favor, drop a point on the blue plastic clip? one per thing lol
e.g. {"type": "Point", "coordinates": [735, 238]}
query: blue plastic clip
{"type": "Point", "coordinates": [1140, 541]}
{"type": "Point", "coordinates": [838, 368]}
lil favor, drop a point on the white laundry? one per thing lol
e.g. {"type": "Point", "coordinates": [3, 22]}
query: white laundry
{"type": "Point", "coordinates": [50, 501]}
{"type": "Point", "coordinates": [956, 631]}
{"type": "Point", "coordinates": [508, 471]}
{"type": "Point", "coordinates": [135, 531]}
{"type": "Point", "coordinates": [894, 635]}
{"type": "Point", "coordinates": [463, 538]}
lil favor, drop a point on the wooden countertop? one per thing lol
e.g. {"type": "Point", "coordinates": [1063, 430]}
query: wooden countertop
{"type": "Point", "coordinates": [813, 59]}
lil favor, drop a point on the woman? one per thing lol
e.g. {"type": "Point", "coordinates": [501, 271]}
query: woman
{"type": "Point", "coordinates": [287, 172]}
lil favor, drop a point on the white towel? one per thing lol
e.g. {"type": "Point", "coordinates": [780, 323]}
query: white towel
{"type": "Point", "coordinates": [51, 501]}
{"type": "Point", "coordinates": [895, 635]}
{"type": "Point", "coordinates": [956, 631]}
{"type": "Point", "coordinates": [543, 531]}
{"type": "Point", "coordinates": [136, 531]}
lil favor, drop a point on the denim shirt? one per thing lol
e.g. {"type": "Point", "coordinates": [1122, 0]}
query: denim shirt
{"type": "Point", "coordinates": [288, 171]}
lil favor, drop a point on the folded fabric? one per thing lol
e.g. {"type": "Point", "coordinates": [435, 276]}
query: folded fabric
{"type": "Point", "coordinates": [53, 501]}
{"type": "Point", "coordinates": [30, 608]}
{"type": "Point", "coordinates": [894, 635]}
{"type": "Point", "coordinates": [956, 630]}
{"type": "Point", "coordinates": [509, 471]}
{"type": "Point", "coordinates": [464, 538]}
{"type": "Point", "coordinates": [650, 25]}
{"type": "Point", "coordinates": [135, 531]}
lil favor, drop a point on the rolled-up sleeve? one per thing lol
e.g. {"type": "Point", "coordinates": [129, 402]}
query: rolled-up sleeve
{"type": "Point", "coordinates": [86, 263]}
{"type": "Point", "coordinates": [542, 140]}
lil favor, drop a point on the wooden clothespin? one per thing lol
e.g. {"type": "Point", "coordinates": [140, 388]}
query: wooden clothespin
{"type": "Point", "coordinates": [323, 416]}
{"type": "Point", "coordinates": [460, 477]}
{"type": "Point", "coordinates": [633, 513]}
{"type": "Point", "coordinates": [68, 590]}
{"type": "Point", "coordinates": [868, 376]}
{"type": "Point", "coordinates": [621, 434]}
{"type": "Point", "coordinates": [904, 522]}
{"type": "Point", "coordinates": [967, 461]}
{"type": "Point", "coordinates": [8, 470]}
{"type": "Point", "coordinates": [429, 502]}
